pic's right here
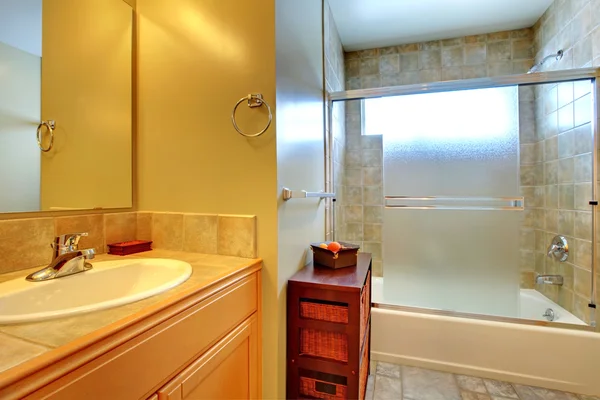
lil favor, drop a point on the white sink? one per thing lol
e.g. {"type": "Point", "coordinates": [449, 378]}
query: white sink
{"type": "Point", "coordinates": [108, 284]}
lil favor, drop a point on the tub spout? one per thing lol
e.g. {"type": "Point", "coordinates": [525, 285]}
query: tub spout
{"type": "Point", "coordinates": [549, 280]}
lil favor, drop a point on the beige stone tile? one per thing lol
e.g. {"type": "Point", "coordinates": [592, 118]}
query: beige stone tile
{"type": "Point", "coordinates": [144, 226]}
{"type": "Point", "coordinates": [387, 388]}
{"type": "Point", "coordinates": [551, 149]}
{"type": "Point", "coordinates": [527, 280]}
{"type": "Point", "coordinates": [372, 232]}
{"type": "Point", "coordinates": [368, 53]}
{"type": "Point", "coordinates": [452, 73]}
{"type": "Point", "coordinates": [566, 144]}
{"type": "Point", "coordinates": [374, 142]}
{"type": "Point", "coordinates": [498, 388]}
{"type": "Point", "coordinates": [522, 33]}
{"type": "Point", "coordinates": [373, 195]}
{"type": "Point", "coordinates": [566, 170]}
{"type": "Point", "coordinates": [389, 64]}
{"type": "Point", "coordinates": [431, 45]}
{"type": "Point", "coordinates": [430, 75]}
{"type": "Point", "coordinates": [500, 68]}
{"type": "Point", "coordinates": [92, 224]}
{"type": "Point", "coordinates": [582, 196]}
{"type": "Point", "coordinates": [453, 42]}
{"type": "Point", "coordinates": [370, 81]}
{"type": "Point", "coordinates": [372, 158]}
{"type": "Point", "coordinates": [14, 351]}
{"type": "Point", "coordinates": [377, 268]}
{"type": "Point", "coordinates": [430, 59]}
{"type": "Point", "coordinates": [353, 213]}
{"type": "Point", "coordinates": [474, 396]}
{"type": "Point", "coordinates": [372, 176]}
{"type": "Point", "coordinates": [418, 383]}
{"type": "Point", "coordinates": [373, 248]}
{"type": "Point", "coordinates": [167, 231]}
{"type": "Point", "coordinates": [582, 168]}
{"type": "Point", "coordinates": [408, 48]}
{"type": "Point", "coordinates": [373, 214]}
{"type": "Point", "coordinates": [453, 56]}
{"type": "Point", "coordinates": [409, 62]}
{"type": "Point", "coordinates": [352, 68]}
{"type": "Point", "coordinates": [476, 39]}
{"type": "Point", "coordinates": [498, 36]}
{"type": "Point", "coordinates": [474, 71]}
{"type": "Point", "coordinates": [582, 282]}
{"type": "Point", "coordinates": [353, 195]}
{"type": "Point", "coordinates": [237, 236]}
{"type": "Point", "coordinates": [583, 225]}
{"type": "Point", "coordinates": [200, 233]}
{"type": "Point", "coordinates": [536, 393]}
{"type": "Point", "coordinates": [388, 369]}
{"type": "Point", "coordinates": [388, 50]}
{"type": "Point", "coordinates": [353, 231]}
{"type": "Point", "coordinates": [25, 243]}
{"type": "Point", "coordinates": [353, 177]}
{"type": "Point", "coordinates": [498, 51]}
{"type": "Point", "coordinates": [410, 77]}
{"type": "Point", "coordinates": [582, 254]}
{"type": "Point", "coordinates": [120, 227]}
{"type": "Point", "coordinates": [471, 383]}
{"type": "Point", "coordinates": [566, 197]}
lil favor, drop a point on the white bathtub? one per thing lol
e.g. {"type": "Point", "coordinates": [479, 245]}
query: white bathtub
{"type": "Point", "coordinates": [562, 359]}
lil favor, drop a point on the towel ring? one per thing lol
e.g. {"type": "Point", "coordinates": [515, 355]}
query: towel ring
{"type": "Point", "coordinates": [50, 124]}
{"type": "Point", "coordinates": [254, 100]}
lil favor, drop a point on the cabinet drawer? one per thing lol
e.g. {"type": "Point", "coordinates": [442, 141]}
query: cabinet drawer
{"type": "Point", "coordinates": [138, 367]}
{"type": "Point", "coordinates": [229, 370]}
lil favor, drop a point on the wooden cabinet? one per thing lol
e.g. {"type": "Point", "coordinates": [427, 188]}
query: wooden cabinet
{"type": "Point", "coordinates": [329, 331]}
{"type": "Point", "coordinates": [226, 371]}
{"type": "Point", "coordinates": [208, 350]}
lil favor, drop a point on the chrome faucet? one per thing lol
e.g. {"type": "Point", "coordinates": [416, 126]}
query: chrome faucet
{"type": "Point", "coordinates": [549, 280]}
{"type": "Point", "coordinates": [558, 249]}
{"type": "Point", "coordinates": [67, 259]}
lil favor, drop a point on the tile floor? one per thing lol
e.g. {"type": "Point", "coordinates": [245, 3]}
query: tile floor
{"type": "Point", "coordinates": [400, 382]}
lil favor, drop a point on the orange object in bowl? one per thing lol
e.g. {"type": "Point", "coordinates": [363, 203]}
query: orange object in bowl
{"type": "Point", "coordinates": [334, 246]}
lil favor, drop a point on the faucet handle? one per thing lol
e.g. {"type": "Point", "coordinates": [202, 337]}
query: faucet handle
{"type": "Point", "coordinates": [70, 240]}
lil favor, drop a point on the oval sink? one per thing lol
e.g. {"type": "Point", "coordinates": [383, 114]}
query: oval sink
{"type": "Point", "coordinates": [108, 284]}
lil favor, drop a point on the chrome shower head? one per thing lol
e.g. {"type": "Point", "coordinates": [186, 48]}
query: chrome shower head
{"type": "Point", "coordinates": [558, 55]}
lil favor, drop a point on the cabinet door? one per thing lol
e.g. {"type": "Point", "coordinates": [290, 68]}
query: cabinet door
{"type": "Point", "coordinates": [229, 370]}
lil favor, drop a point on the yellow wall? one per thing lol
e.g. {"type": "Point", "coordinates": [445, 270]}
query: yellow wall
{"type": "Point", "coordinates": [196, 59]}
{"type": "Point", "coordinates": [19, 117]}
{"type": "Point", "coordinates": [87, 90]}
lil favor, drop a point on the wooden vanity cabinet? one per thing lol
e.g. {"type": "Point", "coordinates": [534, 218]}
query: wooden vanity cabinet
{"type": "Point", "coordinates": [224, 372]}
{"type": "Point", "coordinates": [209, 350]}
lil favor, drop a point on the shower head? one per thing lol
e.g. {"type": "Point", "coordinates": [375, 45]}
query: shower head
{"type": "Point", "coordinates": [558, 55]}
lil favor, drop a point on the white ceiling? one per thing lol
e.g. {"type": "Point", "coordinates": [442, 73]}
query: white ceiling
{"type": "Point", "coordinates": [367, 24]}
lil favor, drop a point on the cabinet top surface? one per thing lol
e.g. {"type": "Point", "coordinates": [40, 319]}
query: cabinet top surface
{"type": "Point", "coordinates": [52, 335]}
{"type": "Point", "coordinates": [349, 277]}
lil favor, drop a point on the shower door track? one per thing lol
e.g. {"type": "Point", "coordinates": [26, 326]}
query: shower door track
{"type": "Point", "coordinates": [469, 84]}
{"type": "Point", "coordinates": [537, 78]}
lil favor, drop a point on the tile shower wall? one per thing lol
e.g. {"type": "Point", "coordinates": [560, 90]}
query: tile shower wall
{"type": "Point", "coordinates": [24, 243]}
{"type": "Point", "coordinates": [336, 131]}
{"type": "Point", "coordinates": [494, 54]}
{"type": "Point", "coordinates": [574, 27]}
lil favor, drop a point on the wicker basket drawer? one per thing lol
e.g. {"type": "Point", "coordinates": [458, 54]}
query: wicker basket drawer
{"type": "Point", "coordinates": [318, 385]}
{"type": "Point", "coordinates": [324, 310]}
{"type": "Point", "coordinates": [364, 370]}
{"type": "Point", "coordinates": [324, 344]}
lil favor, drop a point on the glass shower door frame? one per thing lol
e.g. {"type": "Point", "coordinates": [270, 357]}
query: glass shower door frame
{"type": "Point", "coordinates": [549, 77]}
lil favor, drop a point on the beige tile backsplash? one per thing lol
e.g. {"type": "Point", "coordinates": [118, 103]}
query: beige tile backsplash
{"type": "Point", "coordinates": [25, 243]}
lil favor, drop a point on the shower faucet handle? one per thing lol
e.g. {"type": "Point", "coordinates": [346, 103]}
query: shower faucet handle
{"type": "Point", "coordinates": [559, 249]}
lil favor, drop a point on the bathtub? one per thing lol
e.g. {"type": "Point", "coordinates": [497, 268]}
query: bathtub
{"type": "Point", "coordinates": [562, 359]}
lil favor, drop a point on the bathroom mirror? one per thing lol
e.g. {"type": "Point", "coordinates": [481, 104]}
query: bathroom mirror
{"type": "Point", "coordinates": [65, 105]}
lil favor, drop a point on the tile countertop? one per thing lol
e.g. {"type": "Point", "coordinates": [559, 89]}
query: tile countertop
{"type": "Point", "coordinates": [23, 342]}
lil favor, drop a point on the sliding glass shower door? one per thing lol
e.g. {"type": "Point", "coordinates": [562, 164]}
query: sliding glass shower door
{"type": "Point", "coordinates": [452, 204]}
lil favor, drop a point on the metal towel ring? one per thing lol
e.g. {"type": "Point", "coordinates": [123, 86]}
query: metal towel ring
{"type": "Point", "coordinates": [50, 124]}
{"type": "Point", "coordinates": [254, 100]}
